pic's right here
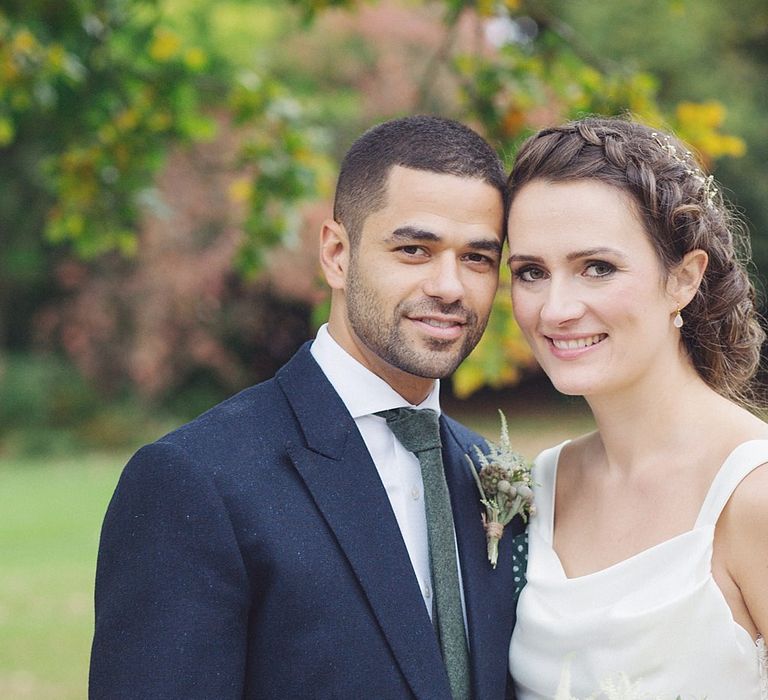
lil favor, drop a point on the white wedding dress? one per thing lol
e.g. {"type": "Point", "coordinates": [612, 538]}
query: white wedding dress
{"type": "Point", "coordinates": [657, 619]}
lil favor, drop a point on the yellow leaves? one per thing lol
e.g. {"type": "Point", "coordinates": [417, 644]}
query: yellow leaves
{"type": "Point", "coordinates": [24, 42]}
{"type": "Point", "coordinates": [501, 355]}
{"type": "Point", "coordinates": [78, 161]}
{"type": "Point", "coordinates": [9, 71]}
{"type": "Point", "coordinates": [20, 53]}
{"type": "Point", "coordinates": [107, 134]}
{"type": "Point", "coordinates": [29, 71]}
{"type": "Point", "coordinates": [127, 120]}
{"type": "Point", "coordinates": [165, 45]}
{"type": "Point", "coordinates": [700, 124]}
{"type": "Point", "coordinates": [195, 58]}
{"type": "Point", "coordinates": [706, 114]}
{"type": "Point", "coordinates": [122, 155]}
{"type": "Point", "coordinates": [641, 99]}
{"type": "Point", "coordinates": [486, 8]}
{"type": "Point", "coordinates": [57, 56]}
{"type": "Point", "coordinates": [6, 131]}
{"type": "Point", "coordinates": [160, 121]}
{"type": "Point", "coordinates": [241, 190]}
{"type": "Point", "coordinates": [590, 78]}
{"type": "Point", "coordinates": [467, 380]}
{"type": "Point", "coordinates": [325, 170]}
{"type": "Point", "coordinates": [127, 243]}
{"type": "Point", "coordinates": [71, 225]}
{"type": "Point", "coordinates": [734, 146]}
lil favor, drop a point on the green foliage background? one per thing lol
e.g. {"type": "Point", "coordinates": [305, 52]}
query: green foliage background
{"type": "Point", "coordinates": [96, 97]}
{"type": "Point", "coordinates": [119, 119]}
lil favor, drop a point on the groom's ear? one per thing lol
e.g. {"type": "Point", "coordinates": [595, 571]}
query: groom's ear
{"type": "Point", "coordinates": [685, 278]}
{"type": "Point", "coordinates": [334, 253]}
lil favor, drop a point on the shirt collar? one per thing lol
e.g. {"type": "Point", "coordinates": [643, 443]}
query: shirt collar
{"type": "Point", "coordinates": [361, 390]}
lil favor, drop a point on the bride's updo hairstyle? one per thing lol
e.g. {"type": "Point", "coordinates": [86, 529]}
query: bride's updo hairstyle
{"type": "Point", "coordinates": [682, 209]}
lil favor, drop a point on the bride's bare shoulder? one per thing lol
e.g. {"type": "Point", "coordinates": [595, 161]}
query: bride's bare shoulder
{"type": "Point", "coordinates": [580, 450]}
{"type": "Point", "coordinates": [743, 537]}
{"type": "Point", "coordinates": [739, 424]}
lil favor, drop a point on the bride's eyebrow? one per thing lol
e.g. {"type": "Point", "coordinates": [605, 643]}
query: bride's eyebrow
{"type": "Point", "coordinates": [525, 258]}
{"type": "Point", "coordinates": [594, 252]}
{"type": "Point", "coordinates": [575, 255]}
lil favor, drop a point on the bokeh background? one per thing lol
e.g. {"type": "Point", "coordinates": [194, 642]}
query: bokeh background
{"type": "Point", "coordinates": [165, 166]}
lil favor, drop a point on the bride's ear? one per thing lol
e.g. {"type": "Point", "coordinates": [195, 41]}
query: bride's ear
{"type": "Point", "coordinates": [685, 278]}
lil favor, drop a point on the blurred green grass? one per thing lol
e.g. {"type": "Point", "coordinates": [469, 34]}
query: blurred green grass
{"type": "Point", "coordinates": [50, 516]}
{"type": "Point", "coordinates": [51, 509]}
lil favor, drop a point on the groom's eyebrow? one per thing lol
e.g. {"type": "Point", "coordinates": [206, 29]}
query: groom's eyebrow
{"type": "Point", "coordinates": [489, 244]}
{"type": "Point", "coordinates": [411, 233]}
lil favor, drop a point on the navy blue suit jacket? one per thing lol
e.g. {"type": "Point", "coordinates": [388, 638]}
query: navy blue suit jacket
{"type": "Point", "coordinates": [253, 553]}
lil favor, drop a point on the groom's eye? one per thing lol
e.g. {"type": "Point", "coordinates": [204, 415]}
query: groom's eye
{"type": "Point", "coordinates": [412, 250]}
{"type": "Point", "coordinates": [479, 259]}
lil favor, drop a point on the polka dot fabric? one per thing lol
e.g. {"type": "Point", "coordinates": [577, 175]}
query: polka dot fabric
{"type": "Point", "coordinates": [519, 561]}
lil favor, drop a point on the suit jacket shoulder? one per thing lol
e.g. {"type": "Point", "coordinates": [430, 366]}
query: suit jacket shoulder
{"type": "Point", "coordinates": [253, 553]}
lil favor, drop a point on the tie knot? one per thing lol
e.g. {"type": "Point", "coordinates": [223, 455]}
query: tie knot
{"type": "Point", "coordinates": [416, 429]}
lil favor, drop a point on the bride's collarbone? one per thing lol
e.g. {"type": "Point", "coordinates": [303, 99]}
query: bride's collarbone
{"type": "Point", "coordinates": [613, 538]}
{"type": "Point", "coordinates": [620, 517]}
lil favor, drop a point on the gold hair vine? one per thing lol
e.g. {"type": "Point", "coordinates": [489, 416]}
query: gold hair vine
{"type": "Point", "coordinates": [707, 182]}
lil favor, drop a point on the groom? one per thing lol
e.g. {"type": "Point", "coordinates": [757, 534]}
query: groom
{"type": "Point", "coordinates": [279, 546]}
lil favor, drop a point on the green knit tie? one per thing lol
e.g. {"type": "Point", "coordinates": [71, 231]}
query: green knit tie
{"type": "Point", "coordinates": [419, 432]}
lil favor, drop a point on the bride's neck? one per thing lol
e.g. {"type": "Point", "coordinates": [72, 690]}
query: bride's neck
{"type": "Point", "coordinates": [655, 417]}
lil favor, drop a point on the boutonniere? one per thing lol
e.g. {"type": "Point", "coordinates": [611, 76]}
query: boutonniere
{"type": "Point", "coordinates": [504, 482]}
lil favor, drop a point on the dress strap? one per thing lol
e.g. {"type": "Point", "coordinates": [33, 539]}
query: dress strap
{"type": "Point", "coordinates": [743, 460]}
{"type": "Point", "coordinates": [545, 477]}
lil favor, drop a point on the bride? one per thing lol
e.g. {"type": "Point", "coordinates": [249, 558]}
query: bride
{"type": "Point", "coordinates": [648, 556]}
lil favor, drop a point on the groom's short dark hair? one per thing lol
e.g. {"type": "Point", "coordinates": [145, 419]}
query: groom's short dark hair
{"type": "Point", "coordinates": [420, 142]}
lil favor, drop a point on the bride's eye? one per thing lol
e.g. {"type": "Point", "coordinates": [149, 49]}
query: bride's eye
{"type": "Point", "coordinates": [529, 273]}
{"type": "Point", "coordinates": [599, 268]}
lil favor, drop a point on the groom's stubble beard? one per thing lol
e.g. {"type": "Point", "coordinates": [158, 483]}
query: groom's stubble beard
{"type": "Point", "coordinates": [382, 331]}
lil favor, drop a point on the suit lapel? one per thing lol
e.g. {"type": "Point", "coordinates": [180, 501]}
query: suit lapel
{"type": "Point", "coordinates": [487, 591]}
{"type": "Point", "coordinates": [339, 473]}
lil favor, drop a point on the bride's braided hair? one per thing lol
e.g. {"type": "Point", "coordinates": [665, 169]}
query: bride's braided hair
{"type": "Point", "coordinates": [682, 210]}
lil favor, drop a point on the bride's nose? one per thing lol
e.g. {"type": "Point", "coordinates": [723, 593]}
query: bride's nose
{"type": "Point", "coordinates": [562, 303]}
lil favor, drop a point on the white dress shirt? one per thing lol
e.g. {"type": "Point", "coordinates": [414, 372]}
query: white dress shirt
{"type": "Point", "coordinates": [364, 393]}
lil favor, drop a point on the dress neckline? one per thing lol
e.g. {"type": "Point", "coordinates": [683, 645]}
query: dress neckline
{"type": "Point", "coordinates": [698, 525]}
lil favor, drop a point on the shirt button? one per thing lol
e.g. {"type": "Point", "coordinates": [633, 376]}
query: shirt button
{"type": "Point", "coordinates": [415, 493]}
{"type": "Point", "coordinates": [427, 591]}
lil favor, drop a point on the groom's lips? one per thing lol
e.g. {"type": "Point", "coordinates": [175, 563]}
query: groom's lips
{"type": "Point", "coordinates": [441, 327]}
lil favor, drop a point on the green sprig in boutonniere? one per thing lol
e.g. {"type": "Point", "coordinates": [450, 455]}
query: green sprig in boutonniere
{"type": "Point", "coordinates": [504, 482]}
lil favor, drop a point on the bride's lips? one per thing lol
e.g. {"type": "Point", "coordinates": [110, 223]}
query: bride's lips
{"type": "Point", "coordinates": [569, 346]}
{"type": "Point", "coordinates": [441, 327]}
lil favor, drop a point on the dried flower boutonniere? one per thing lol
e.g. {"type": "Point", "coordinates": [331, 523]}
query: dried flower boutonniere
{"type": "Point", "coordinates": [504, 482]}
